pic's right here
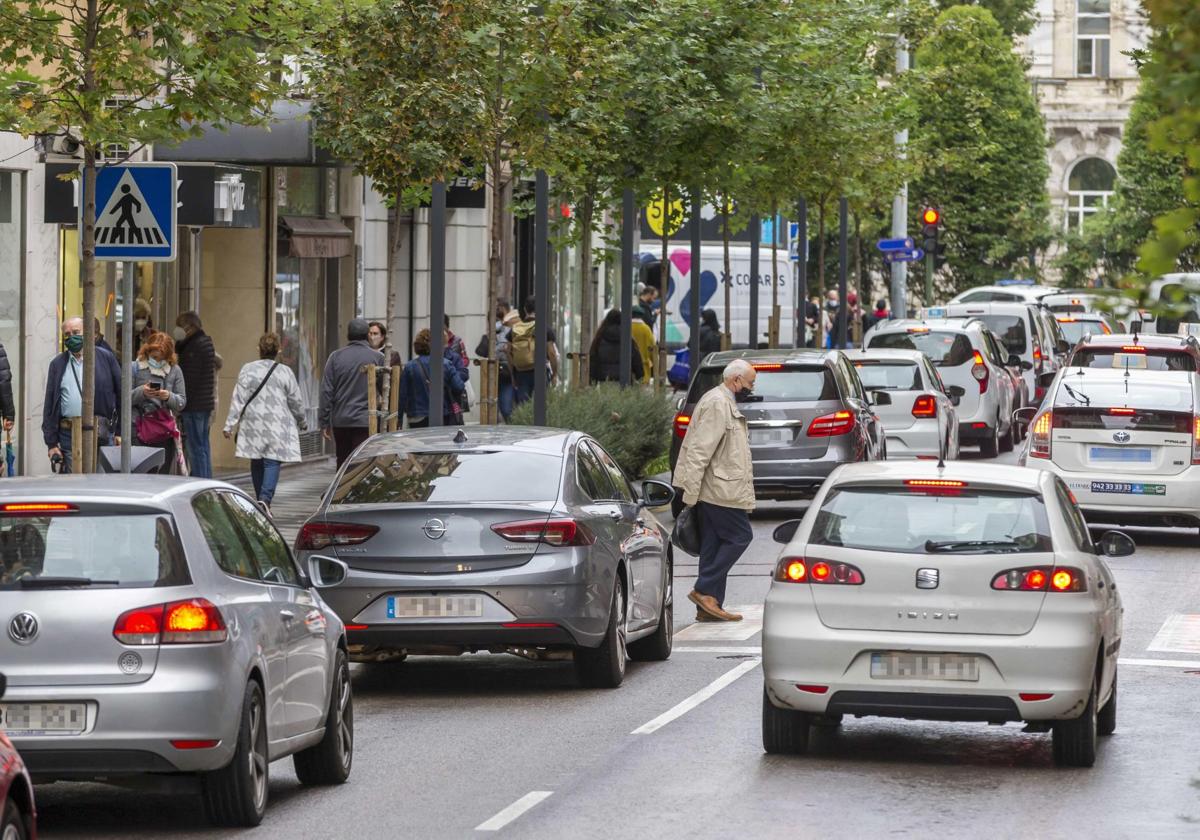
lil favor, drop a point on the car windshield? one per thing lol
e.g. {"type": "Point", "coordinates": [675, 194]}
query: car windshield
{"type": "Point", "coordinates": [1140, 359]}
{"type": "Point", "coordinates": [483, 476]}
{"type": "Point", "coordinates": [915, 521]}
{"type": "Point", "coordinates": [944, 348]}
{"type": "Point", "coordinates": [776, 383]}
{"type": "Point", "coordinates": [75, 549]}
{"type": "Point", "coordinates": [1075, 330]}
{"type": "Point", "coordinates": [1010, 329]}
{"type": "Point", "coordinates": [889, 376]}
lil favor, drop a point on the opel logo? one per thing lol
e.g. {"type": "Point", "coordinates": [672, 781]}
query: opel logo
{"type": "Point", "coordinates": [435, 529]}
{"type": "Point", "coordinates": [23, 628]}
{"type": "Point", "coordinates": [1121, 437]}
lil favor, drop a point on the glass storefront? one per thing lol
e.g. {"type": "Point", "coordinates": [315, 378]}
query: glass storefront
{"type": "Point", "coordinates": [12, 235]}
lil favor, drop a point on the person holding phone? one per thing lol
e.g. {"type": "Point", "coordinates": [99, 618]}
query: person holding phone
{"type": "Point", "coordinates": [159, 395]}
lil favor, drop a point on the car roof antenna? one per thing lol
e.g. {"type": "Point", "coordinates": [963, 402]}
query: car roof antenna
{"type": "Point", "coordinates": [460, 436]}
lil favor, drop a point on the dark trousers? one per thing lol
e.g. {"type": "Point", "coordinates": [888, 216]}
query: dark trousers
{"type": "Point", "coordinates": [725, 533]}
{"type": "Point", "coordinates": [66, 444]}
{"type": "Point", "coordinates": [264, 474]}
{"type": "Point", "coordinates": [346, 439]}
{"type": "Point", "coordinates": [194, 425]}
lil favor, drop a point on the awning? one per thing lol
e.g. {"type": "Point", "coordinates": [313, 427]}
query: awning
{"type": "Point", "coordinates": [307, 237]}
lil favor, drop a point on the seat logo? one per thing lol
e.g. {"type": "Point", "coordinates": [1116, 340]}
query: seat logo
{"type": "Point", "coordinates": [927, 578]}
{"type": "Point", "coordinates": [23, 628]}
{"type": "Point", "coordinates": [1121, 437]}
{"type": "Point", "coordinates": [434, 528]}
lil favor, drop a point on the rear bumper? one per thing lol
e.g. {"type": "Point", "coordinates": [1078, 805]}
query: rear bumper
{"type": "Point", "coordinates": [921, 439]}
{"type": "Point", "coordinates": [1180, 499]}
{"type": "Point", "coordinates": [382, 637]}
{"type": "Point", "coordinates": [795, 479]}
{"type": "Point", "coordinates": [967, 432]}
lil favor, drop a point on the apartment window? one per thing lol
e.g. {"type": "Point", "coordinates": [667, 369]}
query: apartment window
{"type": "Point", "coordinates": [1093, 25]}
{"type": "Point", "coordinates": [1089, 187]}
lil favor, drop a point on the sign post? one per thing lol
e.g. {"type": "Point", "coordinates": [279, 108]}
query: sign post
{"type": "Point", "coordinates": [135, 221]}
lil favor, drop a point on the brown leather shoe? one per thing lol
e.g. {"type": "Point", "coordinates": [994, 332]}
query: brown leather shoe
{"type": "Point", "coordinates": [709, 604]}
{"type": "Point", "coordinates": [702, 616]}
{"type": "Point", "coordinates": [732, 616]}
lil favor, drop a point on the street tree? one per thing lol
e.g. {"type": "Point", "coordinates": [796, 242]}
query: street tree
{"type": "Point", "coordinates": [138, 72]}
{"type": "Point", "coordinates": [1016, 17]}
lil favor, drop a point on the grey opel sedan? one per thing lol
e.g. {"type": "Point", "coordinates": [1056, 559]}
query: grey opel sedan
{"type": "Point", "coordinates": [518, 540]}
{"type": "Point", "coordinates": [155, 625]}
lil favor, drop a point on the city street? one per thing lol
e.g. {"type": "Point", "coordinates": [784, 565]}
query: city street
{"type": "Point", "coordinates": [463, 747]}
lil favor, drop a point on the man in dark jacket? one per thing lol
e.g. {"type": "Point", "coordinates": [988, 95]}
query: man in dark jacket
{"type": "Point", "coordinates": [604, 358]}
{"type": "Point", "coordinates": [198, 362]}
{"type": "Point", "coordinates": [8, 408]}
{"type": "Point", "coordinates": [343, 412]}
{"type": "Point", "coordinates": [644, 308]}
{"type": "Point", "coordinates": [64, 395]}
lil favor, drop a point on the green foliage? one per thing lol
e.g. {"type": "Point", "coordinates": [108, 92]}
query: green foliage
{"type": "Point", "coordinates": [981, 142]}
{"type": "Point", "coordinates": [633, 424]}
{"type": "Point", "coordinates": [1015, 17]}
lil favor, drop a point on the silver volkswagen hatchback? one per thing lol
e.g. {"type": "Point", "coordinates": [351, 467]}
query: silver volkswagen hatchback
{"type": "Point", "coordinates": [508, 539]}
{"type": "Point", "coordinates": [155, 625]}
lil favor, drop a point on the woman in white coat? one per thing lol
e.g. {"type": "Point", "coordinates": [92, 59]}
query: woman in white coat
{"type": "Point", "coordinates": [268, 413]}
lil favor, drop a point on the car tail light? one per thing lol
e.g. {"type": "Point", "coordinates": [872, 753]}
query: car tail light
{"type": "Point", "coordinates": [556, 532]}
{"type": "Point", "coordinates": [1034, 696]}
{"type": "Point", "coordinates": [832, 425]}
{"type": "Point", "coordinates": [766, 366]}
{"type": "Point", "coordinates": [980, 372]}
{"type": "Point", "coordinates": [918, 329]}
{"type": "Point", "coordinates": [813, 689]}
{"type": "Point", "coordinates": [37, 507]}
{"type": "Point", "coordinates": [799, 570]}
{"type": "Point", "coordinates": [1196, 440]}
{"type": "Point", "coordinates": [1040, 433]}
{"type": "Point", "coordinates": [1133, 348]}
{"type": "Point", "coordinates": [194, 621]}
{"type": "Point", "coordinates": [1104, 328]}
{"type": "Point", "coordinates": [925, 406]}
{"type": "Point", "coordinates": [1040, 579]}
{"type": "Point", "coordinates": [194, 745]}
{"type": "Point", "coordinates": [1122, 412]}
{"type": "Point", "coordinates": [315, 536]}
{"type": "Point", "coordinates": [1037, 354]}
{"type": "Point", "coordinates": [935, 483]}
{"type": "Point", "coordinates": [1063, 320]}
{"type": "Point", "coordinates": [682, 421]}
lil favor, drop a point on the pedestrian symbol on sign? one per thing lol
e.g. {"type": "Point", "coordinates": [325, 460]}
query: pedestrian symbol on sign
{"type": "Point", "coordinates": [136, 212]}
{"type": "Point", "coordinates": [125, 219]}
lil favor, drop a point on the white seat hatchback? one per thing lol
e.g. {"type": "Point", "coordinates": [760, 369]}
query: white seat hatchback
{"type": "Point", "coordinates": [964, 592]}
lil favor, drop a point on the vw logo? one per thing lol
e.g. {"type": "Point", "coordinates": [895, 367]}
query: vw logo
{"type": "Point", "coordinates": [435, 529]}
{"type": "Point", "coordinates": [927, 578]}
{"type": "Point", "coordinates": [23, 628]}
{"type": "Point", "coordinates": [1121, 437]}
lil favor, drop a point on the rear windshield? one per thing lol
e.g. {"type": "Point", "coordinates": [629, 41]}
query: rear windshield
{"type": "Point", "coordinates": [501, 476]}
{"type": "Point", "coordinates": [787, 384]}
{"type": "Point", "coordinates": [1077, 391]}
{"type": "Point", "coordinates": [1111, 357]}
{"type": "Point", "coordinates": [933, 522]}
{"type": "Point", "coordinates": [1066, 307]}
{"type": "Point", "coordinates": [1076, 330]}
{"type": "Point", "coordinates": [946, 349]}
{"type": "Point", "coordinates": [889, 376]}
{"type": "Point", "coordinates": [1136, 421]}
{"type": "Point", "coordinates": [1010, 329]}
{"type": "Point", "coordinates": [127, 551]}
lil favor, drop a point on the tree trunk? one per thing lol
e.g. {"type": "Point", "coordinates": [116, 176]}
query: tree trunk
{"type": "Point", "coordinates": [83, 451]}
{"type": "Point", "coordinates": [587, 211]}
{"type": "Point", "coordinates": [774, 274]}
{"type": "Point", "coordinates": [393, 275]}
{"type": "Point", "coordinates": [664, 281]}
{"type": "Point", "coordinates": [727, 338]}
{"type": "Point", "coordinates": [495, 236]}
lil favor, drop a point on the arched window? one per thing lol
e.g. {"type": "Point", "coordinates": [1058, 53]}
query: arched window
{"type": "Point", "coordinates": [1089, 187]}
{"type": "Point", "coordinates": [1093, 23]}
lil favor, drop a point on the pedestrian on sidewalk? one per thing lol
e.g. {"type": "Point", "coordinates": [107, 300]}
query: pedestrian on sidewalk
{"type": "Point", "coordinates": [715, 475]}
{"type": "Point", "coordinates": [522, 343]}
{"type": "Point", "coordinates": [604, 357]}
{"type": "Point", "coordinates": [415, 382]}
{"type": "Point", "coordinates": [343, 411]}
{"type": "Point", "coordinates": [645, 310]}
{"type": "Point", "coordinates": [505, 381]}
{"type": "Point", "coordinates": [8, 408]}
{"type": "Point", "coordinates": [268, 414]}
{"type": "Point", "coordinates": [710, 333]}
{"type": "Point", "coordinates": [198, 361]}
{"type": "Point", "coordinates": [159, 396]}
{"type": "Point", "coordinates": [64, 396]}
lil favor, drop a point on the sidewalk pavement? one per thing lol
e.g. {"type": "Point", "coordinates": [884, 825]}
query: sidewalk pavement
{"type": "Point", "coordinates": [297, 496]}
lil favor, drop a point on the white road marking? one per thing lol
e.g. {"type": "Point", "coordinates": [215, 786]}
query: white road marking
{"type": "Point", "coordinates": [1180, 633]}
{"type": "Point", "coordinates": [685, 706]}
{"type": "Point", "coordinates": [730, 649]}
{"type": "Point", "coordinates": [514, 810]}
{"type": "Point", "coordinates": [725, 631]}
{"type": "Point", "coordinates": [1161, 663]}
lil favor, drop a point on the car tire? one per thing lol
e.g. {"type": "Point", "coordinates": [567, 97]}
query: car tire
{"type": "Point", "coordinates": [604, 666]}
{"type": "Point", "coordinates": [657, 646]}
{"type": "Point", "coordinates": [13, 825]}
{"type": "Point", "coordinates": [990, 447]}
{"type": "Point", "coordinates": [1106, 720]}
{"type": "Point", "coordinates": [784, 731]}
{"type": "Point", "coordinates": [328, 762]}
{"type": "Point", "coordinates": [236, 795]}
{"type": "Point", "coordinates": [1075, 740]}
{"type": "Point", "coordinates": [1009, 441]}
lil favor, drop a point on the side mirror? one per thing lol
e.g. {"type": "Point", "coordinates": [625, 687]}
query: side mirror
{"type": "Point", "coordinates": [1063, 348]}
{"type": "Point", "coordinates": [1024, 416]}
{"type": "Point", "coordinates": [656, 493]}
{"type": "Point", "coordinates": [1026, 365]}
{"type": "Point", "coordinates": [955, 393]}
{"type": "Point", "coordinates": [879, 398]}
{"type": "Point", "coordinates": [1013, 360]}
{"type": "Point", "coordinates": [680, 403]}
{"type": "Point", "coordinates": [326, 571]}
{"type": "Point", "coordinates": [1046, 379]}
{"type": "Point", "coordinates": [785, 532]}
{"type": "Point", "coordinates": [1116, 544]}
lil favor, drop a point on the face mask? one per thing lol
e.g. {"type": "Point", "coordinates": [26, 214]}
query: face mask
{"type": "Point", "coordinates": [375, 341]}
{"type": "Point", "coordinates": [179, 333]}
{"type": "Point", "coordinates": [74, 343]}
{"type": "Point", "coordinates": [157, 364]}
{"type": "Point", "coordinates": [744, 393]}
{"type": "Point", "coordinates": [139, 324]}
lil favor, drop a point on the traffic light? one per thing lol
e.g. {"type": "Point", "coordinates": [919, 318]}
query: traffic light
{"type": "Point", "coordinates": [931, 221]}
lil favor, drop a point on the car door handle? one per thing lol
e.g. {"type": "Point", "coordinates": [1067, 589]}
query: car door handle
{"type": "Point", "coordinates": [288, 615]}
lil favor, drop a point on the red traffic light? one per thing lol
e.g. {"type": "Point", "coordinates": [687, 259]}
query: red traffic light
{"type": "Point", "coordinates": [931, 216]}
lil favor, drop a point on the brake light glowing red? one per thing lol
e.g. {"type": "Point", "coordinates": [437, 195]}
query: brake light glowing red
{"type": "Point", "coordinates": [832, 425]}
{"type": "Point", "coordinates": [357, 626]}
{"type": "Point", "coordinates": [1196, 440]}
{"type": "Point", "coordinates": [1037, 353]}
{"type": "Point", "coordinates": [1062, 580]}
{"type": "Point", "coordinates": [1062, 320]}
{"type": "Point", "coordinates": [797, 570]}
{"type": "Point", "coordinates": [37, 507]}
{"type": "Point", "coordinates": [820, 571]}
{"type": "Point", "coordinates": [193, 621]}
{"type": "Point", "coordinates": [918, 329]}
{"type": "Point", "coordinates": [1133, 348]}
{"type": "Point", "coordinates": [1040, 579]}
{"type": "Point", "coordinates": [555, 532]}
{"type": "Point", "coordinates": [1036, 579]}
{"type": "Point", "coordinates": [765, 366]}
{"type": "Point", "coordinates": [925, 406]}
{"type": "Point", "coordinates": [682, 421]}
{"type": "Point", "coordinates": [1040, 433]}
{"type": "Point", "coordinates": [1105, 329]}
{"type": "Point", "coordinates": [315, 536]}
{"type": "Point", "coordinates": [936, 483]}
{"type": "Point", "coordinates": [1122, 412]}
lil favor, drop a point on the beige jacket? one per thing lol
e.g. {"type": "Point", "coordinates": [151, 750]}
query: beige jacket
{"type": "Point", "coordinates": [714, 462]}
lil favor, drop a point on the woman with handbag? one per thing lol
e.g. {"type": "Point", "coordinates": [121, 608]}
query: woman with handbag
{"type": "Point", "coordinates": [414, 387]}
{"type": "Point", "coordinates": [158, 397]}
{"type": "Point", "coordinates": [269, 414]}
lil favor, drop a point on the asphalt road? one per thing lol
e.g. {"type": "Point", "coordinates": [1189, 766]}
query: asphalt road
{"type": "Point", "coordinates": [449, 748]}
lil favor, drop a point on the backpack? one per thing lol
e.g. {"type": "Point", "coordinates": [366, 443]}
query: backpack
{"type": "Point", "coordinates": [520, 349]}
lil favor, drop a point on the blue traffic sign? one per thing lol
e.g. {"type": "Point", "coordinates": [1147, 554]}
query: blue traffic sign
{"type": "Point", "coordinates": [135, 212]}
{"type": "Point", "coordinates": [887, 245]}
{"type": "Point", "coordinates": [911, 255]}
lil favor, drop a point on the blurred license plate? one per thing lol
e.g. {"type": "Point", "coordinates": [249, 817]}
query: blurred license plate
{"type": "Point", "coordinates": [924, 666]}
{"type": "Point", "coordinates": [1132, 487]}
{"type": "Point", "coordinates": [43, 718]}
{"type": "Point", "coordinates": [434, 606]}
{"type": "Point", "coordinates": [1121, 454]}
{"type": "Point", "coordinates": [766, 437]}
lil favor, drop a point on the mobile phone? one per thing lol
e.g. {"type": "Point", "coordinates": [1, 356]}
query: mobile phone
{"type": "Point", "coordinates": [155, 385]}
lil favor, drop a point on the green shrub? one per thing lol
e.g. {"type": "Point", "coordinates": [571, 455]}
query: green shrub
{"type": "Point", "coordinates": [633, 424]}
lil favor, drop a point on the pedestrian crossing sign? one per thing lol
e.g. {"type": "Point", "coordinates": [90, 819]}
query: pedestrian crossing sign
{"type": "Point", "coordinates": [135, 212]}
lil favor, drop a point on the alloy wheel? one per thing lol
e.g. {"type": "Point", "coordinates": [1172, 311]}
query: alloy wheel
{"type": "Point", "coordinates": [10, 833]}
{"type": "Point", "coordinates": [257, 756]}
{"type": "Point", "coordinates": [619, 607]}
{"type": "Point", "coordinates": [345, 718]}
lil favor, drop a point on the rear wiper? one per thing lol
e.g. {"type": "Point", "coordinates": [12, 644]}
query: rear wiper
{"type": "Point", "coordinates": [963, 545]}
{"type": "Point", "coordinates": [51, 582]}
{"type": "Point", "coordinates": [1083, 398]}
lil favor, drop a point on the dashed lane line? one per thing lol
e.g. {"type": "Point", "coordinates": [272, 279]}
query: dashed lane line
{"type": "Point", "coordinates": [1160, 663]}
{"type": "Point", "coordinates": [514, 810]}
{"type": "Point", "coordinates": [685, 706]}
{"type": "Point", "coordinates": [1180, 633]}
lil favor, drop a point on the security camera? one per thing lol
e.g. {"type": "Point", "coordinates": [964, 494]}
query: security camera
{"type": "Point", "coordinates": [67, 144]}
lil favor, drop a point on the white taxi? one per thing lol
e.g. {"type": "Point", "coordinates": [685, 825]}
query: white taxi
{"type": "Point", "coordinates": [963, 592]}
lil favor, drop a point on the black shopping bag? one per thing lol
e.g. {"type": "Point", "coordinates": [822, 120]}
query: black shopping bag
{"type": "Point", "coordinates": [686, 536]}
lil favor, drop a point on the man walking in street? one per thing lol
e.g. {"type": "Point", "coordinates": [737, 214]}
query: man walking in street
{"type": "Point", "coordinates": [198, 362]}
{"type": "Point", "coordinates": [64, 395]}
{"type": "Point", "coordinates": [343, 412]}
{"type": "Point", "coordinates": [715, 475]}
